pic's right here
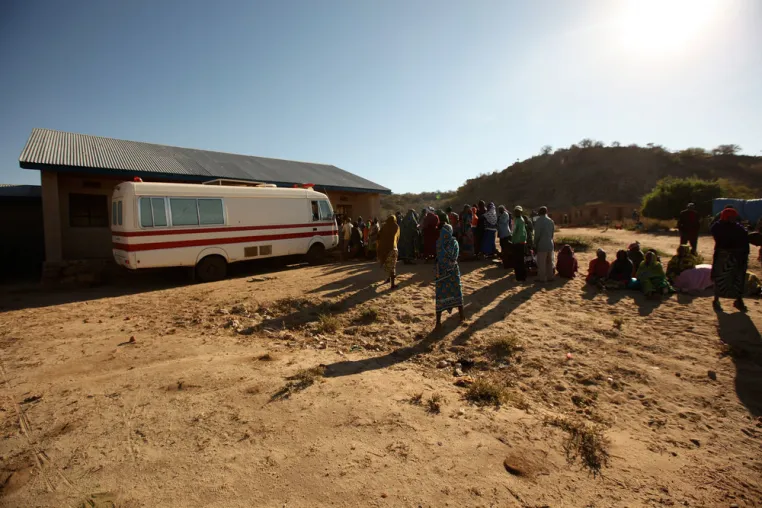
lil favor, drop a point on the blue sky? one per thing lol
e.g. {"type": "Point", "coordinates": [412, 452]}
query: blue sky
{"type": "Point", "coordinates": [415, 95]}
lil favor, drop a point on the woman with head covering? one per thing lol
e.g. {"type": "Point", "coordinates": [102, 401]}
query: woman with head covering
{"type": "Point", "coordinates": [635, 255]}
{"type": "Point", "coordinates": [373, 230]}
{"type": "Point", "coordinates": [518, 244]}
{"type": "Point", "coordinates": [466, 233]}
{"type": "Point", "coordinates": [731, 257]}
{"type": "Point", "coordinates": [430, 235]}
{"type": "Point", "coordinates": [479, 232]}
{"type": "Point", "coordinates": [387, 248]}
{"type": "Point", "coordinates": [454, 220]}
{"type": "Point", "coordinates": [566, 263]}
{"type": "Point", "coordinates": [620, 274]}
{"type": "Point", "coordinates": [449, 292]}
{"type": "Point", "coordinates": [653, 280]}
{"type": "Point", "coordinates": [408, 244]}
{"type": "Point", "coordinates": [680, 262]}
{"type": "Point", "coordinates": [355, 241]}
{"type": "Point", "coordinates": [443, 219]}
{"type": "Point", "coordinates": [598, 269]}
{"type": "Point", "coordinates": [490, 230]}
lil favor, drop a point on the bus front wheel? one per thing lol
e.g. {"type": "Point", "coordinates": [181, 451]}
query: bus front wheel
{"type": "Point", "coordinates": [316, 254]}
{"type": "Point", "coordinates": [211, 268]}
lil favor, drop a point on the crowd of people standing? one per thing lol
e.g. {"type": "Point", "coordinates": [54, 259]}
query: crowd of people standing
{"type": "Point", "coordinates": [526, 245]}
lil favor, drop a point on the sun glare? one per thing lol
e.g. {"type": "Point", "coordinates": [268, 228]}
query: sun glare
{"type": "Point", "coordinates": [665, 26]}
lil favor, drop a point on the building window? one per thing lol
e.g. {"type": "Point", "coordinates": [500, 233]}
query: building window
{"type": "Point", "coordinates": [88, 211]}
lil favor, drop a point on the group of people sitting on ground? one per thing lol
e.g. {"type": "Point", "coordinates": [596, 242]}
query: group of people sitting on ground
{"type": "Point", "coordinates": [686, 272]}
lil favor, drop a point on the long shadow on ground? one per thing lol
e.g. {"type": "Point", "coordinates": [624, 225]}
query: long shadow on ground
{"type": "Point", "coordinates": [741, 335]}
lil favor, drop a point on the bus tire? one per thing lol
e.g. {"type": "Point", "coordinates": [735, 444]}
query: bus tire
{"type": "Point", "coordinates": [211, 268]}
{"type": "Point", "coordinates": [316, 254]}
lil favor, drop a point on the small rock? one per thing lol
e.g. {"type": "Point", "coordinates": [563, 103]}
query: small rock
{"type": "Point", "coordinates": [132, 340]}
{"type": "Point", "coordinates": [233, 323]}
{"type": "Point", "coordinates": [678, 374]}
{"type": "Point", "coordinates": [85, 320]}
{"type": "Point", "coordinates": [384, 495]}
{"type": "Point", "coordinates": [223, 312]}
{"type": "Point", "coordinates": [560, 388]}
{"type": "Point", "coordinates": [464, 381]}
{"type": "Point", "coordinates": [458, 372]}
{"type": "Point", "coordinates": [696, 442]}
{"type": "Point", "coordinates": [442, 364]}
{"type": "Point", "coordinates": [461, 412]}
{"type": "Point", "coordinates": [458, 365]}
{"type": "Point", "coordinates": [712, 375]}
{"type": "Point", "coordinates": [513, 468]}
{"type": "Point", "coordinates": [127, 318]}
{"type": "Point", "coordinates": [321, 345]}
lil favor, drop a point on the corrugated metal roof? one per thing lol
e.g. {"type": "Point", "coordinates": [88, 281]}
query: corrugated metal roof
{"type": "Point", "coordinates": [65, 151]}
{"type": "Point", "coordinates": [9, 190]}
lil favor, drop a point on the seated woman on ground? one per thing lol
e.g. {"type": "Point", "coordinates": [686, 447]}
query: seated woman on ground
{"type": "Point", "coordinates": [635, 255]}
{"type": "Point", "coordinates": [620, 275]}
{"type": "Point", "coordinates": [598, 269]}
{"type": "Point", "coordinates": [653, 280]}
{"type": "Point", "coordinates": [566, 264]}
{"type": "Point", "coordinates": [680, 262]}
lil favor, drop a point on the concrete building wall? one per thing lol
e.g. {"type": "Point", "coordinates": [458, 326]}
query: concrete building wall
{"type": "Point", "coordinates": [358, 204]}
{"type": "Point", "coordinates": [595, 213]}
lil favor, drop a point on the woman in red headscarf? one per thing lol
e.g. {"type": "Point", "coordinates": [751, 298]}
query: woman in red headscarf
{"type": "Point", "coordinates": [731, 258]}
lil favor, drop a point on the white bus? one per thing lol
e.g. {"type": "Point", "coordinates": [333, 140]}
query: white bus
{"type": "Point", "coordinates": [208, 226]}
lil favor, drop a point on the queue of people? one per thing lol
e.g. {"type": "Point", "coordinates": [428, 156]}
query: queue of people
{"type": "Point", "coordinates": [527, 247]}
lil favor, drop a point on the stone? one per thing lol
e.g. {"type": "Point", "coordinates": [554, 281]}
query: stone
{"type": "Point", "coordinates": [321, 345]}
{"type": "Point", "coordinates": [712, 375]}
{"type": "Point", "coordinates": [696, 441]}
{"type": "Point", "coordinates": [442, 364]}
{"type": "Point", "coordinates": [458, 372]}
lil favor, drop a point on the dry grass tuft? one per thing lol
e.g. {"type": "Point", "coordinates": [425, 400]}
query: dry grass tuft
{"type": "Point", "coordinates": [503, 348]}
{"type": "Point", "coordinates": [369, 315]}
{"type": "Point", "coordinates": [618, 323]}
{"type": "Point", "coordinates": [416, 399]}
{"type": "Point", "coordinates": [483, 392]}
{"type": "Point", "coordinates": [302, 380]}
{"type": "Point", "coordinates": [585, 442]}
{"type": "Point", "coordinates": [434, 404]}
{"type": "Point", "coordinates": [328, 324]}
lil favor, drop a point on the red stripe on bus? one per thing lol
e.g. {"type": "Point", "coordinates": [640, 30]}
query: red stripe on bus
{"type": "Point", "coordinates": [173, 231]}
{"type": "Point", "coordinates": [134, 247]}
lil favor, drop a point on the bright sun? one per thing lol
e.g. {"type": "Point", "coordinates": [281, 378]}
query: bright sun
{"type": "Point", "coordinates": [656, 26]}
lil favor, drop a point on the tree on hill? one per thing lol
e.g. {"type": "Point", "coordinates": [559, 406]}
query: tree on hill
{"type": "Point", "coordinates": [546, 150]}
{"type": "Point", "coordinates": [726, 150]}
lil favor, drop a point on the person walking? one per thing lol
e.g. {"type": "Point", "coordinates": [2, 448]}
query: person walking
{"type": "Point", "coordinates": [448, 288]}
{"type": "Point", "coordinates": [504, 233]}
{"type": "Point", "coordinates": [519, 240]}
{"type": "Point", "coordinates": [689, 224]}
{"type": "Point", "coordinates": [346, 233]}
{"type": "Point", "coordinates": [544, 229]}
{"type": "Point", "coordinates": [388, 238]}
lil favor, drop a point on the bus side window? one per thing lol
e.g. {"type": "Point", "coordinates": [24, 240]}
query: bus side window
{"type": "Point", "coordinates": [119, 212]}
{"type": "Point", "coordinates": [325, 211]}
{"type": "Point", "coordinates": [315, 211]}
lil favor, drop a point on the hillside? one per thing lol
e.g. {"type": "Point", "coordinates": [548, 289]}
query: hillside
{"type": "Point", "coordinates": [578, 175]}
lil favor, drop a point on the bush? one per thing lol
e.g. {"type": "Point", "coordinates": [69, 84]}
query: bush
{"type": "Point", "coordinates": [581, 244]}
{"type": "Point", "coordinates": [485, 393]}
{"type": "Point", "coordinates": [328, 324]}
{"type": "Point", "coordinates": [671, 195]}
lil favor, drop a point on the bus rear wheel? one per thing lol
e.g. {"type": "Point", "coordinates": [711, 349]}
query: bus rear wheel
{"type": "Point", "coordinates": [211, 269]}
{"type": "Point", "coordinates": [316, 254]}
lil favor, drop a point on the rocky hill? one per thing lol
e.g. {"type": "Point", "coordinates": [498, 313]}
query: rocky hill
{"type": "Point", "coordinates": [591, 172]}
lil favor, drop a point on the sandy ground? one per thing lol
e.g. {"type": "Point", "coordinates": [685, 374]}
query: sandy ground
{"type": "Point", "coordinates": [179, 396]}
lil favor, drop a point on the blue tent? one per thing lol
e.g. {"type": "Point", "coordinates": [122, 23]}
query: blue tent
{"type": "Point", "coordinates": [748, 209]}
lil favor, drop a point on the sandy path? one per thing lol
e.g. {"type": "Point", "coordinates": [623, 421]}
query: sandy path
{"type": "Point", "coordinates": [185, 415]}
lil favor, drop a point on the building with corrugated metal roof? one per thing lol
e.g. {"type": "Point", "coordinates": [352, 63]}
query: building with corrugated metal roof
{"type": "Point", "coordinates": [79, 172]}
{"type": "Point", "coordinates": [21, 237]}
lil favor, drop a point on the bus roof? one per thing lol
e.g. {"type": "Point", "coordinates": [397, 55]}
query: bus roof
{"type": "Point", "coordinates": [194, 189]}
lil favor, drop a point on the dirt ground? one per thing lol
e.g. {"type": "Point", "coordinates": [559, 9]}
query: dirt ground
{"type": "Point", "coordinates": [318, 386]}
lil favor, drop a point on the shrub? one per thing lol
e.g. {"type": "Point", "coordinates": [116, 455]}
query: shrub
{"type": "Point", "coordinates": [483, 392]}
{"type": "Point", "coordinates": [726, 150]}
{"type": "Point", "coordinates": [434, 404]}
{"type": "Point", "coordinates": [580, 243]}
{"type": "Point", "coordinates": [328, 324]}
{"type": "Point", "coordinates": [585, 442]}
{"type": "Point", "coordinates": [671, 195]}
